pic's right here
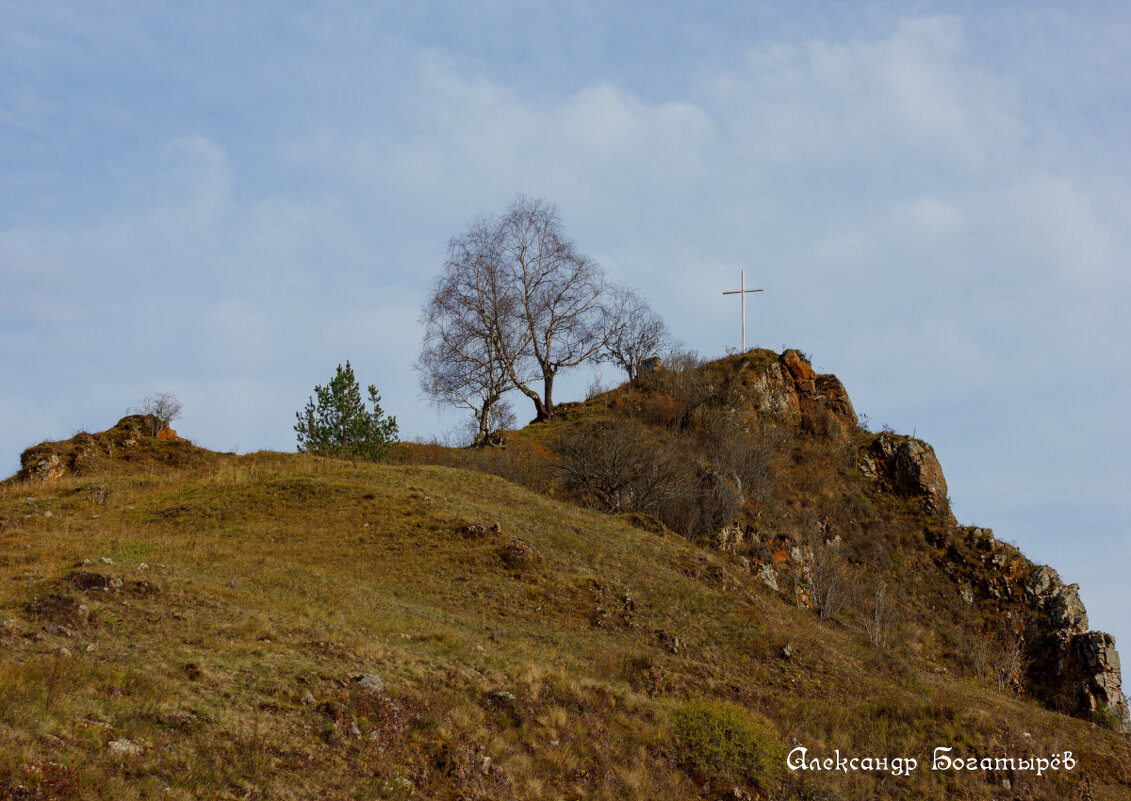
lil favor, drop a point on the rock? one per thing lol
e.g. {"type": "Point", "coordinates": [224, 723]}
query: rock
{"type": "Point", "coordinates": [1097, 672]}
{"type": "Point", "coordinates": [167, 433]}
{"type": "Point", "coordinates": [909, 466]}
{"type": "Point", "coordinates": [789, 389]}
{"type": "Point", "coordinates": [967, 596]}
{"type": "Point", "coordinates": [368, 681]}
{"type": "Point", "coordinates": [768, 577]}
{"type": "Point", "coordinates": [353, 729]}
{"type": "Point", "coordinates": [517, 555]}
{"type": "Point", "coordinates": [55, 628]}
{"type": "Point", "coordinates": [787, 651]}
{"type": "Point", "coordinates": [124, 747]}
{"type": "Point", "coordinates": [47, 467]}
{"type": "Point", "coordinates": [1061, 604]}
{"type": "Point", "coordinates": [106, 560]}
{"type": "Point", "coordinates": [652, 364]}
{"type": "Point", "coordinates": [308, 699]}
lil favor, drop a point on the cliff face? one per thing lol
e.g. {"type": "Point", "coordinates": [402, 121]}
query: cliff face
{"type": "Point", "coordinates": [1062, 663]}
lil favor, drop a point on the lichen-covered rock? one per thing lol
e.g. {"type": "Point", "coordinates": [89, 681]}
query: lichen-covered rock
{"type": "Point", "coordinates": [1096, 672]}
{"type": "Point", "coordinates": [1064, 611]}
{"type": "Point", "coordinates": [909, 466]}
{"type": "Point", "coordinates": [789, 389]}
{"type": "Point", "coordinates": [45, 467]}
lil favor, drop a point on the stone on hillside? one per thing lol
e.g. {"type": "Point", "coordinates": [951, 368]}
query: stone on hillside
{"type": "Point", "coordinates": [124, 747]}
{"type": "Point", "coordinates": [768, 577]}
{"type": "Point", "coordinates": [517, 555]}
{"type": "Point", "coordinates": [369, 681]}
{"type": "Point", "coordinates": [45, 468]}
{"type": "Point", "coordinates": [167, 433]}
{"type": "Point", "coordinates": [909, 466]}
{"type": "Point", "coordinates": [791, 390]}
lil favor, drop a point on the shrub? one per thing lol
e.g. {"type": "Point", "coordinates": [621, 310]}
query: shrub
{"type": "Point", "coordinates": [160, 411]}
{"type": "Point", "coordinates": [619, 468]}
{"type": "Point", "coordinates": [721, 741]}
{"type": "Point", "coordinates": [1103, 717]}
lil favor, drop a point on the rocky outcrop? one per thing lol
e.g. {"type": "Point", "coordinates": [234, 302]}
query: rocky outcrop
{"type": "Point", "coordinates": [1094, 666]}
{"type": "Point", "coordinates": [909, 467]}
{"type": "Point", "coordinates": [1080, 666]}
{"type": "Point", "coordinates": [788, 388]}
{"type": "Point", "coordinates": [1063, 610]}
{"type": "Point", "coordinates": [136, 438]}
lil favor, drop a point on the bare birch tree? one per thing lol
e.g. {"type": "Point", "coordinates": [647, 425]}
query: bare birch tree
{"type": "Point", "coordinates": [633, 332]}
{"type": "Point", "coordinates": [515, 304]}
{"type": "Point", "coordinates": [554, 295]}
{"type": "Point", "coordinates": [468, 322]}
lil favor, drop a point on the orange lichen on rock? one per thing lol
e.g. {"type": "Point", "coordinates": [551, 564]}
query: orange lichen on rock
{"type": "Point", "coordinates": [167, 433]}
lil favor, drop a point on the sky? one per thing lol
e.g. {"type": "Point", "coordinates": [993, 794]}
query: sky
{"type": "Point", "coordinates": [226, 200]}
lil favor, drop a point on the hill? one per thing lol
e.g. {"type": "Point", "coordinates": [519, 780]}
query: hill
{"type": "Point", "coordinates": [178, 623]}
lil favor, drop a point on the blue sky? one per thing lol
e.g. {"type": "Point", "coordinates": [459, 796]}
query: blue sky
{"type": "Point", "coordinates": [226, 202]}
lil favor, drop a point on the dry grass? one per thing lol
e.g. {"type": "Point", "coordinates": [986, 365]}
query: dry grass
{"type": "Point", "coordinates": [522, 662]}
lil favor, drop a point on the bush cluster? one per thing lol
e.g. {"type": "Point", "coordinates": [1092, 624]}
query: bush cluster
{"type": "Point", "coordinates": [721, 741]}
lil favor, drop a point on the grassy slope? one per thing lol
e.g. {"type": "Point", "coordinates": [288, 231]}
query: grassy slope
{"type": "Point", "coordinates": [272, 576]}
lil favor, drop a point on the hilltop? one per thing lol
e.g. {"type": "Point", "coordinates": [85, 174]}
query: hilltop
{"type": "Point", "coordinates": [657, 593]}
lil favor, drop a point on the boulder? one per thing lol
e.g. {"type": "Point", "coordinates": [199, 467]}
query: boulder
{"type": "Point", "coordinates": [909, 466]}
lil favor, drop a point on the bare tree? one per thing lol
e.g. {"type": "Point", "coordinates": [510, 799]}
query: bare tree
{"type": "Point", "coordinates": [515, 300]}
{"type": "Point", "coordinates": [163, 408]}
{"type": "Point", "coordinates": [466, 322]}
{"type": "Point", "coordinates": [633, 332]}
{"type": "Point", "coordinates": [554, 293]}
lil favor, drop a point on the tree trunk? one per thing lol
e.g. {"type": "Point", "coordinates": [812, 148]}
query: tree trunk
{"type": "Point", "coordinates": [481, 437]}
{"type": "Point", "coordinates": [548, 399]}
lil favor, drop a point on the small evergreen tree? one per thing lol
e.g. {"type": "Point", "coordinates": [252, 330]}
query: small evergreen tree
{"type": "Point", "coordinates": [336, 422]}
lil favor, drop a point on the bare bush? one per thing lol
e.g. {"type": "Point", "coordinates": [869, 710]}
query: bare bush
{"type": "Point", "coordinates": [743, 454]}
{"type": "Point", "coordinates": [998, 659]}
{"type": "Point", "coordinates": [160, 409]}
{"type": "Point", "coordinates": [615, 468]}
{"type": "Point", "coordinates": [879, 614]}
{"type": "Point", "coordinates": [820, 576]}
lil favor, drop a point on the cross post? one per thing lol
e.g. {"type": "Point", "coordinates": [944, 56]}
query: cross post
{"type": "Point", "coordinates": [742, 293]}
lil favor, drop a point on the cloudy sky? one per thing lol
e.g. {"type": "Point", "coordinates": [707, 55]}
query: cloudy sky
{"type": "Point", "coordinates": [225, 200]}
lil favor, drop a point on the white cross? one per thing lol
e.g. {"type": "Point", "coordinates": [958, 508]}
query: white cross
{"type": "Point", "coordinates": [742, 292]}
